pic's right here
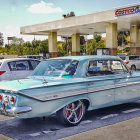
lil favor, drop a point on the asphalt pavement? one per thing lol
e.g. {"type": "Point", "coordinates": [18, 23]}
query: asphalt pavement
{"type": "Point", "coordinates": [119, 122]}
{"type": "Point", "coordinates": [126, 130]}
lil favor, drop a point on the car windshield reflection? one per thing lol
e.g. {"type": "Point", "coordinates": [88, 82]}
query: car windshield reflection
{"type": "Point", "coordinates": [56, 68]}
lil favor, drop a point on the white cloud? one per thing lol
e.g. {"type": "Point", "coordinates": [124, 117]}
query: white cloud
{"type": "Point", "coordinates": [43, 8]}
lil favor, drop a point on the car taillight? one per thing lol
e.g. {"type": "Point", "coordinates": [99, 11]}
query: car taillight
{"type": "Point", "coordinates": [2, 72]}
{"type": "Point", "coordinates": [0, 98]}
{"type": "Point", "coordinates": [126, 62]}
{"type": "Point", "coordinates": [13, 99]}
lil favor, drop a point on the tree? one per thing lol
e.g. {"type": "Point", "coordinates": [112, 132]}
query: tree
{"type": "Point", "coordinates": [123, 38]}
{"type": "Point", "coordinates": [16, 45]}
{"type": "Point", "coordinates": [97, 38]}
{"type": "Point", "coordinates": [1, 39]}
{"type": "Point", "coordinates": [27, 48]}
{"type": "Point", "coordinates": [43, 47]}
{"type": "Point", "coordinates": [92, 45]}
{"type": "Point", "coordinates": [34, 50]}
{"type": "Point", "coordinates": [65, 48]}
{"type": "Point", "coordinates": [71, 14]}
{"type": "Point", "coordinates": [3, 50]}
{"type": "Point", "coordinates": [17, 41]}
{"type": "Point", "coordinates": [60, 49]}
{"type": "Point", "coordinates": [82, 40]}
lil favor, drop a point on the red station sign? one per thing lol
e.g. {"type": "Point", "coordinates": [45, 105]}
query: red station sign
{"type": "Point", "coordinates": [127, 11]}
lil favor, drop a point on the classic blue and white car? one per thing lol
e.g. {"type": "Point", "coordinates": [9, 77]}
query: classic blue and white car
{"type": "Point", "coordinates": [69, 86]}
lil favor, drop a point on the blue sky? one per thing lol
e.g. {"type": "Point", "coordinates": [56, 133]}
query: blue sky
{"type": "Point", "coordinates": [17, 13]}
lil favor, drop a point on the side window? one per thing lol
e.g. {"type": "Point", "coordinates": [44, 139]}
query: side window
{"type": "Point", "coordinates": [99, 67]}
{"type": "Point", "coordinates": [133, 57]}
{"type": "Point", "coordinates": [18, 65]}
{"type": "Point", "coordinates": [34, 57]}
{"type": "Point", "coordinates": [117, 67]}
{"type": "Point", "coordinates": [12, 66]}
{"type": "Point", "coordinates": [105, 67]}
{"type": "Point", "coordinates": [30, 57]}
{"type": "Point", "coordinates": [34, 63]}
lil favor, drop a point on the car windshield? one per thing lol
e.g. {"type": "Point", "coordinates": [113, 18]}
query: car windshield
{"type": "Point", "coordinates": [56, 68]}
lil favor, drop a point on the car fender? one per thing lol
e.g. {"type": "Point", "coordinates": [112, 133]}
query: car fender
{"type": "Point", "coordinates": [73, 100]}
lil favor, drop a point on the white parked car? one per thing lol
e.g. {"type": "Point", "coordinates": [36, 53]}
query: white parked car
{"type": "Point", "coordinates": [17, 68]}
{"type": "Point", "coordinates": [132, 61]}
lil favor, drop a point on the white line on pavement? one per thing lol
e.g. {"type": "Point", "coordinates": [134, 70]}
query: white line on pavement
{"type": "Point", "coordinates": [35, 134]}
{"type": "Point", "coordinates": [131, 110]}
{"type": "Point", "coordinates": [87, 121]}
{"type": "Point", "coordinates": [46, 132]}
{"type": "Point", "coordinates": [109, 116]}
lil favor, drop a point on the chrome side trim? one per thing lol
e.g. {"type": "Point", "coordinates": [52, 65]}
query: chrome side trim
{"type": "Point", "coordinates": [133, 83]}
{"type": "Point", "coordinates": [120, 85]}
{"type": "Point", "coordinates": [58, 95]}
{"type": "Point", "coordinates": [61, 94]}
{"type": "Point", "coordinates": [94, 89]}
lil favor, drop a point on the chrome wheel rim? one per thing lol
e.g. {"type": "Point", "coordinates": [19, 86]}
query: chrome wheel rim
{"type": "Point", "coordinates": [74, 112]}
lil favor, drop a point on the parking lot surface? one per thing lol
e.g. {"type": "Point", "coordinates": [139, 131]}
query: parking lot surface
{"type": "Point", "coordinates": [117, 122]}
{"type": "Point", "coordinates": [126, 130]}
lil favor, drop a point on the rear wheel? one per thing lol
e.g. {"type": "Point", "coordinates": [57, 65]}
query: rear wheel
{"type": "Point", "coordinates": [133, 68]}
{"type": "Point", "coordinates": [72, 113]}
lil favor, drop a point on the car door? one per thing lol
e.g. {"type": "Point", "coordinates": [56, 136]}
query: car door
{"type": "Point", "coordinates": [133, 86]}
{"type": "Point", "coordinates": [100, 83]}
{"type": "Point", "coordinates": [19, 69]}
{"type": "Point", "coordinates": [120, 76]}
{"type": "Point", "coordinates": [138, 62]}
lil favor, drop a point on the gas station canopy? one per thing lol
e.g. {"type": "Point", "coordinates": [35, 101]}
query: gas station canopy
{"type": "Point", "coordinates": [110, 22]}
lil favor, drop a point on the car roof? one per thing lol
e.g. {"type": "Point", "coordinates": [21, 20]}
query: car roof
{"type": "Point", "coordinates": [16, 59]}
{"type": "Point", "coordinates": [79, 58]}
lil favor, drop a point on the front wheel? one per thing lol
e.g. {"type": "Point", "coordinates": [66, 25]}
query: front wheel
{"type": "Point", "coordinates": [72, 114]}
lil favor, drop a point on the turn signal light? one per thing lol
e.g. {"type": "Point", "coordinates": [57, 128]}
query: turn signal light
{"type": "Point", "coordinates": [2, 72]}
{"type": "Point", "coordinates": [13, 100]}
{"type": "Point", "coordinates": [0, 98]}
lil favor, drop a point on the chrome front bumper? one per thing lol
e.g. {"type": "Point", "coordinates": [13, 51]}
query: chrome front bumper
{"type": "Point", "coordinates": [14, 111]}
